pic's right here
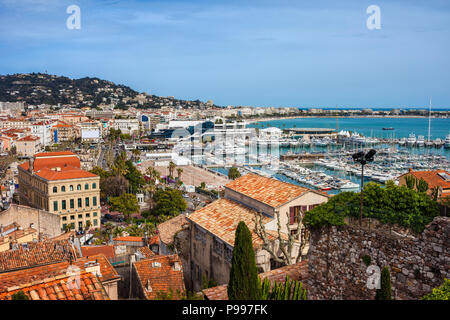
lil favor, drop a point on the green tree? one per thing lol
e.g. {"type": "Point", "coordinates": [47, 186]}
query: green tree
{"type": "Point", "coordinates": [169, 202]}
{"type": "Point", "coordinates": [179, 172]}
{"type": "Point", "coordinates": [233, 173]}
{"type": "Point", "coordinates": [171, 168]}
{"type": "Point", "coordinates": [20, 295]}
{"type": "Point", "coordinates": [384, 293]}
{"type": "Point", "coordinates": [289, 290]}
{"type": "Point", "coordinates": [125, 203]}
{"type": "Point", "coordinates": [243, 284]}
{"type": "Point", "coordinates": [410, 181]}
{"type": "Point", "coordinates": [119, 167]}
{"type": "Point", "coordinates": [134, 176]}
{"type": "Point", "coordinates": [421, 185]}
{"type": "Point", "coordinates": [440, 293]}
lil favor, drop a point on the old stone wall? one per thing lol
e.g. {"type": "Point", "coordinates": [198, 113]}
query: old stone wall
{"type": "Point", "coordinates": [47, 223]}
{"type": "Point", "coordinates": [417, 262]}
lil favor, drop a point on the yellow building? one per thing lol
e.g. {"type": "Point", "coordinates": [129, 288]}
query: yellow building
{"type": "Point", "coordinates": [54, 181]}
{"type": "Point", "coordinates": [28, 146]}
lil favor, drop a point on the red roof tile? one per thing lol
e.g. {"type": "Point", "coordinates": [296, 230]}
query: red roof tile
{"type": "Point", "coordinates": [432, 178]}
{"type": "Point", "coordinates": [161, 278]}
{"type": "Point", "coordinates": [58, 289]}
{"type": "Point", "coordinates": [266, 190]}
{"type": "Point", "coordinates": [107, 250]}
{"type": "Point", "coordinates": [222, 217]}
{"type": "Point", "coordinates": [169, 228]}
{"type": "Point", "coordinates": [37, 253]}
{"type": "Point", "coordinates": [129, 238]}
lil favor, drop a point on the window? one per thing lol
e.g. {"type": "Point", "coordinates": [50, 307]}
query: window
{"type": "Point", "coordinates": [72, 204]}
{"type": "Point", "coordinates": [228, 253]}
{"type": "Point", "coordinates": [55, 205]}
{"type": "Point", "coordinates": [71, 188]}
{"type": "Point", "coordinates": [95, 222]}
{"type": "Point", "coordinates": [94, 185]}
{"type": "Point", "coordinates": [63, 189]}
{"type": "Point", "coordinates": [72, 217]}
{"type": "Point", "coordinates": [63, 204]}
{"type": "Point", "coordinates": [79, 203]}
{"type": "Point", "coordinates": [218, 246]}
{"type": "Point", "coordinates": [86, 186]}
{"type": "Point", "coordinates": [95, 214]}
{"type": "Point", "coordinates": [88, 215]}
{"type": "Point", "coordinates": [200, 235]}
{"type": "Point", "coordinates": [87, 201]}
{"type": "Point", "coordinates": [94, 201]}
{"type": "Point", "coordinates": [79, 187]}
{"type": "Point", "coordinates": [80, 216]}
{"type": "Point", "coordinates": [55, 189]}
{"type": "Point", "coordinates": [295, 214]}
{"type": "Point", "coordinates": [64, 218]}
{"type": "Point", "coordinates": [64, 226]}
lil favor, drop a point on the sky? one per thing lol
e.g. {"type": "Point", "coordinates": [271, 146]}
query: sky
{"type": "Point", "coordinates": [239, 52]}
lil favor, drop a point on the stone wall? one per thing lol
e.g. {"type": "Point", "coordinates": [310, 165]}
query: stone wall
{"type": "Point", "coordinates": [417, 262]}
{"type": "Point", "coordinates": [48, 224]}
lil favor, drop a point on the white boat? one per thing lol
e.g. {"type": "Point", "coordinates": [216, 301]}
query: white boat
{"type": "Point", "coordinates": [349, 185]}
{"type": "Point", "coordinates": [402, 141]}
{"type": "Point", "coordinates": [438, 142]}
{"type": "Point", "coordinates": [447, 141]}
{"type": "Point", "coordinates": [411, 139]}
{"type": "Point", "coordinates": [420, 141]}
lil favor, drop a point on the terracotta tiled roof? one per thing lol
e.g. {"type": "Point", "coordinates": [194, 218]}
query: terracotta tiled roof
{"type": "Point", "coordinates": [29, 138]}
{"type": "Point", "coordinates": [266, 190]}
{"type": "Point", "coordinates": [54, 154]}
{"type": "Point", "coordinates": [64, 174]}
{"type": "Point", "coordinates": [19, 277]}
{"type": "Point", "coordinates": [298, 271]}
{"type": "Point", "coordinates": [67, 162]}
{"type": "Point", "coordinates": [146, 252]}
{"type": "Point", "coordinates": [37, 253]}
{"type": "Point", "coordinates": [222, 217]}
{"type": "Point", "coordinates": [155, 240]}
{"type": "Point", "coordinates": [160, 278]}
{"type": "Point", "coordinates": [59, 289]}
{"type": "Point", "coordinates": [107, 250]}
{"type": "Point", "coordinates": [129, 238]}
{"type": "Point", "coordinates": [168, 229]}
{"type": "Point", "coordinates": [432, 178]}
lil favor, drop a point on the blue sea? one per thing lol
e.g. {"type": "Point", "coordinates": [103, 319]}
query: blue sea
{"type": "Point", "coordinates": [372, 127]}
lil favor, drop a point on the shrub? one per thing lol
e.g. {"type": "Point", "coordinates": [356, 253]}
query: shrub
{"type": "Point", "coordinates": [384, 293]}
{"type": "Point", "coordinates": [440, 293]}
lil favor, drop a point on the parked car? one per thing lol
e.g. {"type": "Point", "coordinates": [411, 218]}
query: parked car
{"type": "Point", "coordinates": [108, 216]}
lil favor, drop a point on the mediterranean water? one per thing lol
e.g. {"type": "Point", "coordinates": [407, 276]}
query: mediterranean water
{"type": "Point", "coordinates": [369, 127]}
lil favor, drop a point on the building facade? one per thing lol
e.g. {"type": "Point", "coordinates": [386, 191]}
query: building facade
{"type": "Point", "coordinates": [54, 182]}
{"type": "Point", "coordinates": [212, 227]}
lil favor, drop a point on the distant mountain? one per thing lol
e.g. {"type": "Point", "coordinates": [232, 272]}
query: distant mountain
{"type": "Point", "coordinates": [40, 88]}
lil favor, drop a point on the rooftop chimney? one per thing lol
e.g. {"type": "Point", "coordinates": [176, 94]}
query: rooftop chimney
{"type": "Point", "coordinates": [31, 165]}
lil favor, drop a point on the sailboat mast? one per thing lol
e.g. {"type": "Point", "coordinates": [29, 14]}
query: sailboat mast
{"type": "Point", "coordinates": [429, 121]}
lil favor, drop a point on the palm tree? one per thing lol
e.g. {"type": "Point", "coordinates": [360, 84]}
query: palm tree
{"type": "Point", "coordinates": [171, 168]}
{"type": "Point", "coordinates": [136, 153]}
{"type": "Point", "coordinates": [179, 172]}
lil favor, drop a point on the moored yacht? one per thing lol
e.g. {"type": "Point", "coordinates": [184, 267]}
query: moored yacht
{"type": "Point", "coordinates": [411, 139]}
{"type": "Point", "coordinates": [420, 141]}
{"type": "Point", "coordinates": [447, 141]}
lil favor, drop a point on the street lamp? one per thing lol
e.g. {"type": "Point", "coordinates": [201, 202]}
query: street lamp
{"type": "Point", "coordinates": [363, 158]}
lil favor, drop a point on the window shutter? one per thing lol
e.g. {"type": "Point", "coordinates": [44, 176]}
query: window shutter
{"type": "Point", "coordinates": [292, 215]}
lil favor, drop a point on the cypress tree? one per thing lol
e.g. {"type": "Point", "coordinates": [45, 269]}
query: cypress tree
{"type": "Point", "coordinates": [244, 282]}
{"type": "Point", "coordinates": [384, 293]}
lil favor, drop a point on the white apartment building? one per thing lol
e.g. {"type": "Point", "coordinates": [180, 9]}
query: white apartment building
{"type": "Point", "coordinates": [43, 130]}
{"type": "Point", "coordinates": [126, 125]}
